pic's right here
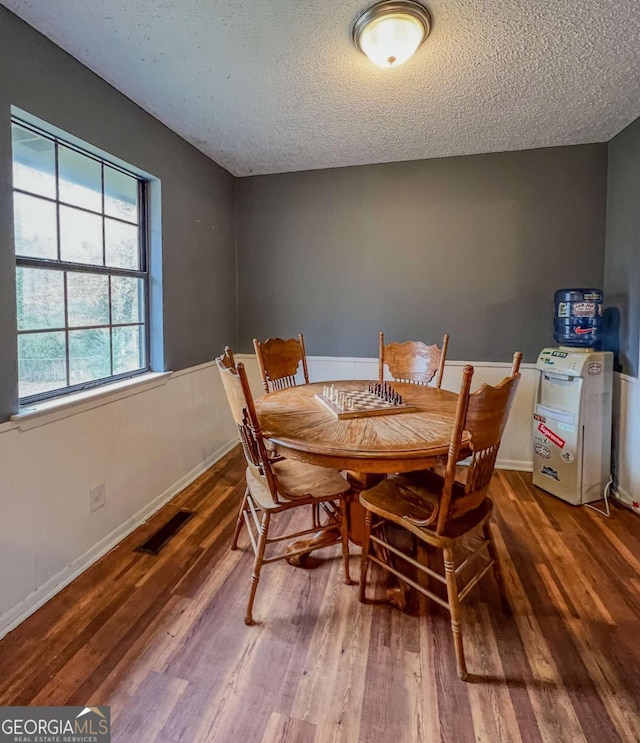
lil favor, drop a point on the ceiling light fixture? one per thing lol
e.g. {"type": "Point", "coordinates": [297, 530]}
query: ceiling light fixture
{"type": "Point", "coordinates": [390, 32]}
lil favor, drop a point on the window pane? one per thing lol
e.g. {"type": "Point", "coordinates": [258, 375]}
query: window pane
{"type": "Point", "coordinates": [126, 300]}
{"type": "Point", "coordinates": [120, 195]}
{"type": "Point", "coordinates": [35, 227]}
{"type": "Point", "coordinates": [40, 298]}
{"type": "Point", "coordinates": [80, 236]}
{"type": "Point", "coordinates": [73, 207]}
{"type": "Point", "coordinates": [34, 162]}
{"type": "Point", "coordinates": [128, 349]}
{"type": "Point", "coordinates": [42, 364]}
{"type": "Point", "coordinates": [89, 355]}
{"type": "Point", "coordinates": [121, 242]}
{"type": "Point", "coordinates": [87, 299]}
{"type": "Point", "coordinates": [80, 179]}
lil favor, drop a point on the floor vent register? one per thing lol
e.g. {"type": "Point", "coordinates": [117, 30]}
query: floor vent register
{"type": "Point", "coordinates": [158, 540]}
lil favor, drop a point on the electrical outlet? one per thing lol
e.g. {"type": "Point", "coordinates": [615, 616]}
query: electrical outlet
{"type": "Point", "coordinates": [97, 496]}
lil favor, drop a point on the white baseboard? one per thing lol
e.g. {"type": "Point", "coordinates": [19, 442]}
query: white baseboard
{"type": "Point", "coordinates": [626, 499]}
{"type": "Point", "coordinates": [11, 619]}
{"type": "Point", "coordinates": [519, 465]}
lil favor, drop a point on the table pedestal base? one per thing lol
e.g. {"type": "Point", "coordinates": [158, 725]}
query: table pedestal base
{"type": "Point", "coordinates": [355, 515]}
{"type": "Point", "coordinates": [314, 542]}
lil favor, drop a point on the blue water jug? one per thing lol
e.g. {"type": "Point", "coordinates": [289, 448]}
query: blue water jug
{"type": "Point", "coordinates": [577, 318]}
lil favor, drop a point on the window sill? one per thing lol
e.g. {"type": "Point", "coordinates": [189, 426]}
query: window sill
{"type": "Point", "coordinates": [79, 402]}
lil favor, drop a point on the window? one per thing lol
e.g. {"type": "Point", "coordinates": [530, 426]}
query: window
{"type": "Point", "coordinates": [81, 267]}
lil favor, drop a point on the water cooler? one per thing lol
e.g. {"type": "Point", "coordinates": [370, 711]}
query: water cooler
{"type": "Point", "coordinates": [572, 423]}
{"type": "Point", "coordinates": [572, 412]}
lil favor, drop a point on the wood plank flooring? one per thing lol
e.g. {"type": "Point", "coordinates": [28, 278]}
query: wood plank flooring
{"type": "Point", "coordinates": [161, 638]}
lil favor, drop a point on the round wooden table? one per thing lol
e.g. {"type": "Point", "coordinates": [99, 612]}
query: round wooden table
{"type": "Point", "coordinates": [300, 427]}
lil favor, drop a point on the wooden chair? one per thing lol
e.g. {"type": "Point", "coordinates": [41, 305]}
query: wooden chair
{"type": "Point", "coordinates": [275, 485]}
{"type": "Point", "coordinates": [413, 361]}
{"type": "Point", "coordinates": [443, 513]}
{"type": "Point", "coordinates": [279, 361]}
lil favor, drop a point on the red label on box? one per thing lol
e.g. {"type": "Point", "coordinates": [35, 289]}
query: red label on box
{"type": "Point", "coordinates": [553, 437]}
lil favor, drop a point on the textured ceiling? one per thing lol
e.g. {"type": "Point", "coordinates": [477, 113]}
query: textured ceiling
{"type": "Point", "coordinates": [264, 86]}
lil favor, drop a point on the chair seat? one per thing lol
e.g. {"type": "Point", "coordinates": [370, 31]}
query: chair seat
{"type": "Point", "coordinates": [296, 481]}
{"type": "Point", "coordinates": [432, 482]}
{"type": "Point", "coordinates": [405, 499]}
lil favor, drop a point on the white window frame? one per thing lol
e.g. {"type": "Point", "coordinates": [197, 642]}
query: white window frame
{"type": "Point", "coordinates": [67, 267]}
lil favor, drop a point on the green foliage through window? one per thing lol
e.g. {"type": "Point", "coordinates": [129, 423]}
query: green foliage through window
{"type": "Point", "coordinates": [81, 267]}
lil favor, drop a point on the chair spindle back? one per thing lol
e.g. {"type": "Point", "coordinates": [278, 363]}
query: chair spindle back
{"type": "Point", "coordinates": [413, 361]}
{"type": "Point", "coordinates": [279, 361]}
{"type": "Point", "coordinates": [483, 414]}
{"type": "Point", "coordinates": [236, 385]}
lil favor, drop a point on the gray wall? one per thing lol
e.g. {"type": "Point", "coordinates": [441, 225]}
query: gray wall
{"type": "Point", "coordinates": [622, 258]}
{"type": "Point", "coordinates": [198, 227]}
{"type": "Point", "coordinates": [473, 246]}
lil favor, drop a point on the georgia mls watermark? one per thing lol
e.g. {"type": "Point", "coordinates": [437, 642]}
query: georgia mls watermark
{"type": "Point", "coordinates": [55, 724]}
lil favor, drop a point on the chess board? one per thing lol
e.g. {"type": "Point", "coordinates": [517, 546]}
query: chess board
{"type": "Point", "coordinates": [365, 404]}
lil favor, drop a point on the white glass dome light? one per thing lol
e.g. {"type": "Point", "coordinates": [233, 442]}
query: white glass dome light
{"type": "Point", "coordinates": [390, 32]}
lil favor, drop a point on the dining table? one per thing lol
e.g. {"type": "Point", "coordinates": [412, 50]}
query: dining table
{"type": "Point", "coordinates": [366, 449]}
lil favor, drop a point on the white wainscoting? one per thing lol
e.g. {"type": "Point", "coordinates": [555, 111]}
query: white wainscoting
{"type": "Point", "coordinates": [627, 413]}
{"type": "Point", "coordinates": [146, 447]}
{"type": "Point", "coordinates": [515, 452]}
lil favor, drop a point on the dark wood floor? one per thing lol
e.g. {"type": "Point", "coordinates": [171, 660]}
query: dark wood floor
{"type": "Point", "coordinates": [161, 638]}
